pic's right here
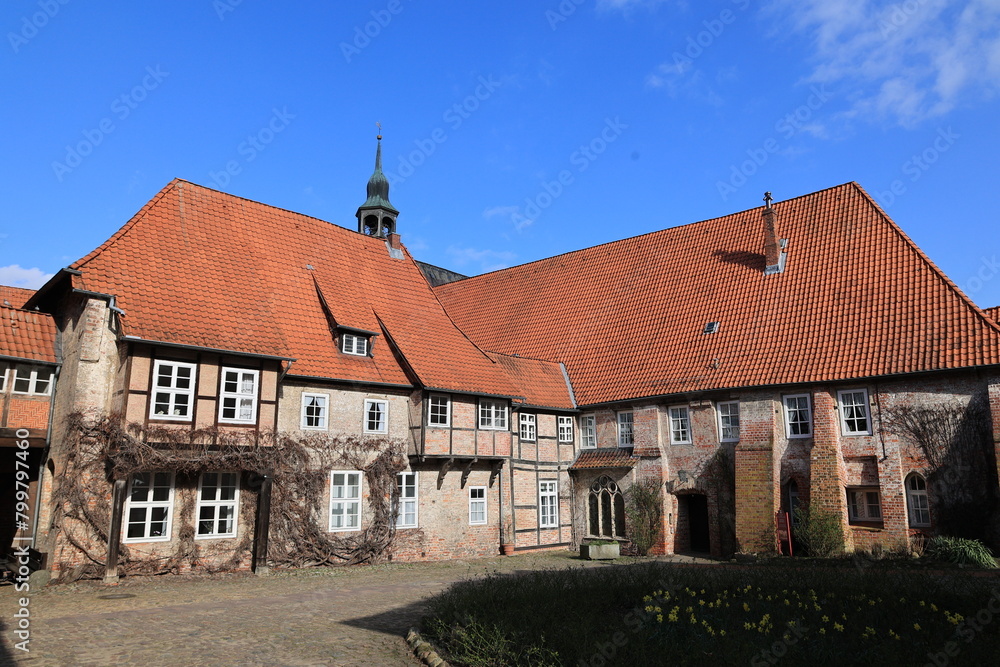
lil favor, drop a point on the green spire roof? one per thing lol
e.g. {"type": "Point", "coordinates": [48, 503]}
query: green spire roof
{"type": "Point", "coordinates": [378, 186]}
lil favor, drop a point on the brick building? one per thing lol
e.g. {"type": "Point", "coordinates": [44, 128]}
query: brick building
{"type": "Point", "coordinates": [28, 368]}
{"type": "Point", "coordinates": [746, 363]}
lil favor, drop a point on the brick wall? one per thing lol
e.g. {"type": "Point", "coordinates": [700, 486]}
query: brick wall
{"type": "Point", "coordinates": [757, 474]}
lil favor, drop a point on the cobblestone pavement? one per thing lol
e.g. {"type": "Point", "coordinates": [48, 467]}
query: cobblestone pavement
{"type": "Point", "coordinates": [342, 616]}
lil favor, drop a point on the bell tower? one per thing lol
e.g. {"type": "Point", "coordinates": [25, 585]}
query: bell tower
{"type": "Point", "coordinates": [377, 217]}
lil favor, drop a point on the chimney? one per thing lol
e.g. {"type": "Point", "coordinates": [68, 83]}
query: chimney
{"type": "Point", "coordinates": [394, 241]}
{"type": "Point", "coordinates": [774, 257]}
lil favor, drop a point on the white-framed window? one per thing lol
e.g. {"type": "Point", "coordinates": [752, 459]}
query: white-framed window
{"type": "Point", "coordinates": [917, 507]}
{"type": "Point", "coordinates": [864, 506]}
{"type": "Point", "coordinates": [680, 425]}
{"type": "Point", "coordinates": [36, 380]}
{"type": "Point", "coordinates": [527, 431]}
{"type": "Point", "coordinates": [406, 498]}
{"type": "Point", "coordinates": [798, 416]}
{"type": "Point", "coordinates": [173, 390]}
{"type": "Point", "coordinates": [548, 505]}
{"type": "Point", "coordinates": [439, 412]}
{"type": "Point", "coordinates": [148, 507]}
{"type": "Point", "coordinates": [854, 412]}
{"type": "Point", "coordinates": [345, 500]}
{"type": "Point", "coordinates": [376, 416]}
{"type": "Point", "coordinates": [492, 414]}
{"type": "Point", "coordinates": [315, 411]}
{"type": "Point", "coordinates": [588, 432]}
{"type": "Point", "coordinates": [354, 344]}
{"type": "Point", "coordinates": [626, 432]}
{"type": "Point", "coordinates": [218, 500]}
{"type": "Point", "coordinates": [477, 505]}
{"type": "Point", "coordinates": [3, 377]}
{"type": "Point", "coordinates": [729, 421]}
{"type": "Point", "coordinates": [238, 398]}
{"type": "Point", "coordinates": [565, 429]}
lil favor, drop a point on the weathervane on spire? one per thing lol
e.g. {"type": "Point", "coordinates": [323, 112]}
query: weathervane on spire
{"type": "Point", "coordinates": [378, 124]}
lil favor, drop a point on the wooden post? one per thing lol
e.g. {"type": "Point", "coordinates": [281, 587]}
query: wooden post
{"type": "Point", "coordinates": [261, 527]}
{"type": "Point", "coordinates": [115, 532]}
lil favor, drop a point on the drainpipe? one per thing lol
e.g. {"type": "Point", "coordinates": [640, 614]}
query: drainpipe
{"type": "Point", "coordinates": [45, 457]}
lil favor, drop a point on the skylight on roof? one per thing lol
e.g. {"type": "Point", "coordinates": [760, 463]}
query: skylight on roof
{"type": "Point", "coordinates": [711, 328]}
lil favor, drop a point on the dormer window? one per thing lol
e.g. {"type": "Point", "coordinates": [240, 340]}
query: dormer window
{"type": "Point", "coordinates": [354, 344]}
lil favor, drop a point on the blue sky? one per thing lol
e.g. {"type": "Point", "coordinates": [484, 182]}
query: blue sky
{"type": "Point", "coordinates": [513, 131]}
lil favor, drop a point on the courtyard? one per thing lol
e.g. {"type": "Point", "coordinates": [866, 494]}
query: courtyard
{"type": "Point", "coordinates": [337, 616]}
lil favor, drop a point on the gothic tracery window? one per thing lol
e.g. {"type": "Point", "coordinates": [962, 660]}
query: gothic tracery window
{"type": "Point", "coordinates": [606, 509]}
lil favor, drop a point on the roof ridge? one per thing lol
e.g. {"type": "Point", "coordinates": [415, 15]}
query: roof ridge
{"type": "Point", "coordinates": [124, 229]}
{"type": "Point", "coordinates": [941, 275]}
{"type": "Point", "coordinates": [273, 207]}
{"type": "Point", "coordinates": [639, 236]}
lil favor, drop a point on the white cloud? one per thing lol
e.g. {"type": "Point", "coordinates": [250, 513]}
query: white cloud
{"type": "Point", "coordinates": [908, 61]}
{"type": "Point", "coordinates": [502, 211]}
{"type": "Point", "coordinates": [482, 260]}
{"type": "Point", "coordinates": [15, 276]}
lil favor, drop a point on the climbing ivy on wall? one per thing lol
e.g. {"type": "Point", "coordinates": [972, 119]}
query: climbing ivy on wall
{"type": "Point", "coordinates": [101, 448]}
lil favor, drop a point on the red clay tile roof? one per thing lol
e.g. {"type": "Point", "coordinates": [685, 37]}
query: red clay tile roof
{"type": "Point", "coordinates": [26, 334]}
{"type": "Point", "coordinates": [204, 268]}
{"type": "Point", "coordinates": [15, 296]}
{"type": "Point", "coordinates": [607, 457]}
{"type": "Point", "coordinates": [993, 313]}
{"type": "Point", "coordinates": [542, 383]}
{"type": "Point", "coordinates": [857, 299]}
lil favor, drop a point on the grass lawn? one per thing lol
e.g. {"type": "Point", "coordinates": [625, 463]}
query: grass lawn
{"type": "Point", "coordinates": [664, 614]}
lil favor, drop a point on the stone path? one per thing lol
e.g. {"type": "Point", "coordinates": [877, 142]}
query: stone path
{"type": "Point", "coordinates": [345, 616]}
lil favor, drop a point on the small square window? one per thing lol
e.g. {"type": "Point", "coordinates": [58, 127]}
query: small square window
{"type": "Point", "coordinates": [798, 416]}
{"type": "Point", "coordinates": [173, 390]}
{"type": "Point", "coordinates": [238, 398]}
{"type": "Point", "coordinates": [314, 411]}
{"type": "Point", "coordinates": [439, 412]}
{"type": "Point", "coordinates": [354, 344]}
{"type": "Point", "coordinates": [854, 418]}
{"type": "Point", "coordinates": [588, 432]}
{"type": "Point", "coordinates": [376, 416]}
{"type": "Point", "coordinates": [864, 506]}
{"type": "Point", "coordinates": [527, 432]}
{"type": "Point", "coordinates": [626, 432]}
{"type": "Point", "coordinates": [492, 415]}
{"type": "Point", "coordinates": [477, 505]}
{"type": "Point", "coordinates": [729, 421]}
{"type": "Point", "coordinates": [680, 426]}
{"type": "Point", "coordinates": [565, 429]}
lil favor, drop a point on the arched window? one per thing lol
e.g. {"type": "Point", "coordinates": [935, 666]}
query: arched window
{"type": "Point", "coordinates": [607, 509]}
{"type": "Point", "coordinates": [918, 509]}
